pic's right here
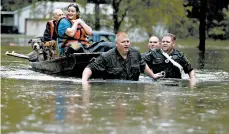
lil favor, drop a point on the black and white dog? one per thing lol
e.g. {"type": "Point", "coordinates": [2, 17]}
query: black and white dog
{"type": "Point", "coordinates": [37, 54]}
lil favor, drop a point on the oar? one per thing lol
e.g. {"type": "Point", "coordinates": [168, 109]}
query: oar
{"type": "Point", "coordinates": [17, 55]}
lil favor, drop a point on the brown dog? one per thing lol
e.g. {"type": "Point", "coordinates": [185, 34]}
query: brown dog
{"type": "Point", "coordinates": [51, 49]}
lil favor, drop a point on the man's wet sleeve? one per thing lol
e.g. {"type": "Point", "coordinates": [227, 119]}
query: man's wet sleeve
{"type": "Point", "coordinates": [147, 58]}
{"type": "Point", "coordinates": [98, 65]}
{"type": "Point", "coordinates": [187, 66]}
{"type": "Point", "coordinates": [142, 66]}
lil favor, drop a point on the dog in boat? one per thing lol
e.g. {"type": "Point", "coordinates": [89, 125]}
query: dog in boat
{"type": "Point", "coordinates": [37, 54]}
{"type": "Point", "coordinates": [42, 51]}
{"type": "Point", "coordinates": [51, 50]}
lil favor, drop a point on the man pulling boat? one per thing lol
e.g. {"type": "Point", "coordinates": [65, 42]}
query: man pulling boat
{"type": "Point", "coordinates": [169, 60]}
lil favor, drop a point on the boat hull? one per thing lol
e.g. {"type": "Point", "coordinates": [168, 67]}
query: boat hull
{"type": "Point", "coordinates": [65, 66]}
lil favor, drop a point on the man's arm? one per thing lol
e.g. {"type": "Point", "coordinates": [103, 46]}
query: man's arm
{"type": "Point", "coordinates": [192, 78]}
{"type": "Point", "coordinates": [188, 69]}
{"type": "Point", "coordinates": [150, 73]}
{"type": "Point", "coordinates": [96, 66]}
{"type": "Point", "coordinates": [86, 75]}
{"type": "Point", "coordinates": [72, 30]}
{"type": "Point", "coordinates": [87, 28]}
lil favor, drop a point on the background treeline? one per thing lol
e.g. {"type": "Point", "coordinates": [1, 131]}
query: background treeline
{"type": "Point", "coordinates": [185, 18]}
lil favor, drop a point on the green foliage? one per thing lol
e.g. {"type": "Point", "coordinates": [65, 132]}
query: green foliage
{"type": "Point", "coordinates": [216, 16]}
{"type": "Point", "coordinates": [221, 27]}
{"type": "Point", "coordinates": [149, 13]}
{"type": "Point", "coordinates": [226, 21]}
{"type": "Point", "coordinates": [185, 28]}
{"type": "Point", "coordinates": [216, 31]}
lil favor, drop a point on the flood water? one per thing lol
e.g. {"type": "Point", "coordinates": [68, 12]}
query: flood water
{"type": "Point", "coordinates": [35, 103]}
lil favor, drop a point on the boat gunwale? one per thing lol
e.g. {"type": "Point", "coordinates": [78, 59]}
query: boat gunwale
{"type": "Point", "coordinates": [64, 57]}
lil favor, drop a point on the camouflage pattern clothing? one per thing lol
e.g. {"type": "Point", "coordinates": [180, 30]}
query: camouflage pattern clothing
{"type": "Point", "coordinates": [111, 65]}
{"type": "Point", "coordinates": [158, 62]}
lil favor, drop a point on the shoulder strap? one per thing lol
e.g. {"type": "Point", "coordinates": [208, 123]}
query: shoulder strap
{"type": "Point", "coordinates": [51, 23]}
{"type": "Point", "coordinates": [173, 62]}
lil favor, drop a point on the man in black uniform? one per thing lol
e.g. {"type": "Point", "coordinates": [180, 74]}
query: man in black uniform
{"type": "Point", "coordinates": [158, 61]}
{"type": "Point", "coordinates": [121, 62]}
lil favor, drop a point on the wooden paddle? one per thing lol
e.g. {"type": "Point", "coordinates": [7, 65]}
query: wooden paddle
{"type": "Point", "coordinates": [17, 55]}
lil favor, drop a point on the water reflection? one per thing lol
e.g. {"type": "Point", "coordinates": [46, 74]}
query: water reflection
{"type": "Point", "coordinates": [201, 58]}
{"type": "Point", "coordinates": [67, 107]}
{"type": "Point", "coordinates": [161, 100]}
{"type": "Point", "coordinates": [72, 107]}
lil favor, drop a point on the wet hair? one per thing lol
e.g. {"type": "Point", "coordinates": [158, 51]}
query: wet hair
{"type": "Point", "coordinates": [172, 36]}
{"type": "Point", "coordinates": [77, 9]}
{"type": "Point", "coordinates": [155, 37]}
{"type": "Point", "coordinates": [119, 34]}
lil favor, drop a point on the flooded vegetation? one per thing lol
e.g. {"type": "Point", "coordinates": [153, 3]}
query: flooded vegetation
{"type": "Point", "coordinates": [32, 102]}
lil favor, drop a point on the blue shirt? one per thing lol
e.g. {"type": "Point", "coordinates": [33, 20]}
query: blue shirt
{"type": "Point", "coordinates": [62, 27]}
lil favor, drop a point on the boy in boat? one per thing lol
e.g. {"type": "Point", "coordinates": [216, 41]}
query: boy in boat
{"type": "Point", "coordinates": [169, 60]}
{"type": "Point", "coordinates": [121, 62]}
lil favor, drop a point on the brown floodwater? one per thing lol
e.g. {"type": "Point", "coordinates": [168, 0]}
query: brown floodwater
{"type": "Point", "coordinates": [35, 103]}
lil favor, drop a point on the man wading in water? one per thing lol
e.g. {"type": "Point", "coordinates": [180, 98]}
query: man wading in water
{"type": "Point", "coordinates": [121, 62]}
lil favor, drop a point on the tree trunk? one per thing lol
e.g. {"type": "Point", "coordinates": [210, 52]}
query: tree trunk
{"type": "Point", "coordinates": [97, 19]}
{"type": "Point", "coordinates": [201, 60]}
{"type": "Point", "coordinates": [202, 26]}
{"type": "Point", "coordinates": [115, 16]}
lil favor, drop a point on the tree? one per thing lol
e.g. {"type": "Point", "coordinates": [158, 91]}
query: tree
{"type": "Point", "coordinates": [220, 27]}
{"type": "Point", "coordinates": [119, 13]}
{"type": "Point", "coordinates": [205, 11]}
{"type": "Point", "coordinates": [226, 21]}
{"type": "Point", "coordinates": [148, 14]}
{"type": "Point", "coordinates": [185, 28]}
{"type": "Point", "coordinates": [120, 10]}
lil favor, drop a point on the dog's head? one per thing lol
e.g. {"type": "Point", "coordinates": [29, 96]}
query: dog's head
{"type": "Point", "coordinates": [36, 43]}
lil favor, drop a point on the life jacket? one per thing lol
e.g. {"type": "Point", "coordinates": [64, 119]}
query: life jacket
{"type": "Point", "coordinates": [52, 27]}
{"type": "Point", "coordinates": [80, 35]}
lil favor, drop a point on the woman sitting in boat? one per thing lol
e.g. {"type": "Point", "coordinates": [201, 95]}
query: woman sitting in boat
{"type": "Point", "coordinates": [72, 31]}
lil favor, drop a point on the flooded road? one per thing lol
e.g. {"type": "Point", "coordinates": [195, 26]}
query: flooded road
{"type": "Point", "coordinates": [32, 102]}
